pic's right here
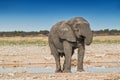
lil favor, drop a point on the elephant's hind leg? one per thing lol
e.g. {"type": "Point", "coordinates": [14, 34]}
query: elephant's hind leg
{"type": "Point", "coordinates": [58, 66]}
{"type": "Point", "coordinates": [56, 55]}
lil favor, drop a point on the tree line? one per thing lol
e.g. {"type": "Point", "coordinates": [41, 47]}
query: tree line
{"type": "Point", "coordinates": [46, 32]}
{"type": "Point", "coordinates": [24, 34]}
{"type": "Point", "coordinates": [107, 32]}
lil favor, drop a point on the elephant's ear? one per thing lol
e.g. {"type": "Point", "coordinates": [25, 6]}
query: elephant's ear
{"type": "Point", "coordinates": [65, 32]}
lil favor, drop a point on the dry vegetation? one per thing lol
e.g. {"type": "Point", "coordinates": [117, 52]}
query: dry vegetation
{"type": "Point", "coordinates": [44, 40]}
{"type": "Point", "coordinates": [103, 38]}
{"type": "Point", "coordinates": [22, 38]}
{"type": "Point", "coordinates": [106, 39]}
{"type": "Point", "coordinates": [23, 41]}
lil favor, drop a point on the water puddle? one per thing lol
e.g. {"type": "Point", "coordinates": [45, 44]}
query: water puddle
{"type": "Point", "coordinates": [46, 70]}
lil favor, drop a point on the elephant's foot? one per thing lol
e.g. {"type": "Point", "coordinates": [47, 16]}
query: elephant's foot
{"type": "Point", "coordinates": [80, 70]}
{"type": "Point", "coordinates": [66, 71]}
{"type": "Point", "coordinates": [58, 71]}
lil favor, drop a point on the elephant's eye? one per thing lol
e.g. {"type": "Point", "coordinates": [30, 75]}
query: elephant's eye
{"type": "Point", "coordinates": [76, 28]}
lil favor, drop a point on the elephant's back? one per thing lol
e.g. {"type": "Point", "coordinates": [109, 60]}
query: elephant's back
{"type": "Point", "coordinates": [55, 27]}
{"type": "Point", "coordinates": [53, 31]}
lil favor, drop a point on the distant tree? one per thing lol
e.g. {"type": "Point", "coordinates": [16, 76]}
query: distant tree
{"type": "Point", "coordinates": [106, 30]}
{"type": "Point", "coordinates": [44, 32]}
{"type": "Point", "coordinates": [114, 30]}
{"type": "Point", "coordinates": [101, 30]}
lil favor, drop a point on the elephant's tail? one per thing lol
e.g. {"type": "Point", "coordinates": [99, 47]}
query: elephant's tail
{"type": "Point", "coordinates": [52, 48]}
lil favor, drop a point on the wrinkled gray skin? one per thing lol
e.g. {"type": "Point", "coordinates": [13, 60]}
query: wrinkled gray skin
{"type": "Point", "coordinates": [64, 37]}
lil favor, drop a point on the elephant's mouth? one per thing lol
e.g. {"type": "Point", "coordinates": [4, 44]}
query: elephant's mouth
{"type": "Point", "coordinates": [80, 38]}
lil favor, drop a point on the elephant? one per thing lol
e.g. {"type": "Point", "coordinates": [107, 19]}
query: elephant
{"type": "Point", "coordinates": [64, 37]}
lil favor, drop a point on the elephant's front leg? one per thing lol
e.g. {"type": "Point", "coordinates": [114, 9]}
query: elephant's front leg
{"type": "Point", "coordinates": [81, 51]}
{"type": "Point", "coordinates": [68, 52]}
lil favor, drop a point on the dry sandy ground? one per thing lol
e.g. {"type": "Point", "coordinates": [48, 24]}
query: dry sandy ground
{"type": "Point", "coordinates": [96, 56]}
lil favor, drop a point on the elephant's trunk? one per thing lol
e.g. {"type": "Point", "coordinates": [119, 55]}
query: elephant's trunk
{"type": "Point", "coordinates": [88, 39]}
{"type": "Point", "coordinates": [87, 33]}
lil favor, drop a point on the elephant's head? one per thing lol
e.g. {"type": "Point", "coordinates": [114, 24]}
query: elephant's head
{"type": "Point", "coordinates": [81, 29]}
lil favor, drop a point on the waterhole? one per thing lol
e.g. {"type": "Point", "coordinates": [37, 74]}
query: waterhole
{"type": "Point", "coordinates": [51, 70]}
